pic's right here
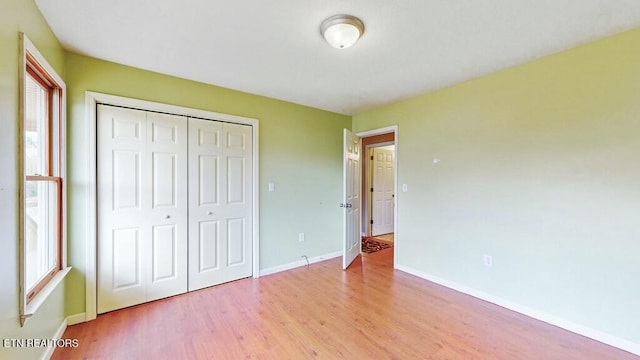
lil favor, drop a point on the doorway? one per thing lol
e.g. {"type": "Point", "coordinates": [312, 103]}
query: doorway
{"type": "Point", "coordinates": [379, 190]}
{"type": "Point", "coordinates": [367, 142]}
{"type": "Point", "coordinates": [378, 194]}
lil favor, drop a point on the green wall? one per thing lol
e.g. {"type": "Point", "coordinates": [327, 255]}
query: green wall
{"type": "Point", "coordinates": [20, 16]}
{"type": "Point", "coordinates": [540, 168]}
{"type": "Point", "coordinates": [300, 151]}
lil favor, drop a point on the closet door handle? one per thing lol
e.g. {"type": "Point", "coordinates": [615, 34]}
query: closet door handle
{"type": "Point", "coordinates": [209, 212]}
{"type": "Point", "coordinates": [167, 216]}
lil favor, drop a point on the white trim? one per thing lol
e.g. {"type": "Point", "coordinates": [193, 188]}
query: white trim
{"type": "Point", "coordinates": [379, 131]}
{"type": "Point", "coordinates": [76, 319]}
{"type": "Point", "coordinates": [382, 144]}
{"type": "Point", "coordinates": [42, 61]}
{"type": "Point", "coordinates": [394, 129]}
{"type": "Point", "coordinates": [91, 231]}
{"type": "Point", "coordinates": [28, 309]}
{"type": "Point", "coordinates": [256, 199]}
{"type": "Point", "coordinates": [591, 333]}
{"type": "Point", "coordinates": [48, 353]}
{"type": "Point", "coordinates": [92, 99]}
{"type": "Point", "coordinates": [299, 263]}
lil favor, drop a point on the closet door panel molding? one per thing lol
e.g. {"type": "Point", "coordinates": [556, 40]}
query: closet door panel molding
{"type": "Point", "coordinates": [159, 229]}
{"type": "Point", "coordinates": [142, 213]}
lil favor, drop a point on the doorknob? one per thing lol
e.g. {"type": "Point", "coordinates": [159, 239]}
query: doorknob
{"type": "Point", "coordinates": [348, 205]}
{"type": "Point", "coordinates": [209, 212]}
{"type": "Point", "coordinates": [167, 216]}
{"type": "Point", "coordinates": [342, 205]}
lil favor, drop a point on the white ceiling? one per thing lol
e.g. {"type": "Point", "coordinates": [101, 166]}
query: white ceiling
{"type": "Point", "coordinates": [274, 48]}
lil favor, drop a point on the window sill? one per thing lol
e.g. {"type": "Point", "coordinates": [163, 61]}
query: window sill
{"type": "Point", "coordinates": [35, 303]}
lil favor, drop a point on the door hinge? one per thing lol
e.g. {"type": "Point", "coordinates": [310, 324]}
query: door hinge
{"type": "Point", "coordinates": [371, 221]}
{"type": "Point", "coordinates": [371, 189]}
{"type": "Point", "coordinates": [371, 157]}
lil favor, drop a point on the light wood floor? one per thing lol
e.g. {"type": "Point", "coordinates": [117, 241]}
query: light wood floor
{"type": "Point", "coordinates": [367, 312]}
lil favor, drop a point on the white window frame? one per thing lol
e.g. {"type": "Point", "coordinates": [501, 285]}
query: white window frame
{"type": "Point", "coordinates": [28, 307]}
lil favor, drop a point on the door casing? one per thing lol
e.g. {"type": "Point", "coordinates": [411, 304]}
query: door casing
{"type": "Point", "coordinates": [397, 234]}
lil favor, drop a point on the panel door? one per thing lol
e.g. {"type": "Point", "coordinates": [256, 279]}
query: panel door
{"type": "Point", "coordinates": [122, 154]}
{"type": "Point", "coordinates": [383, 196]}
{"type": "Point", "coordinates": [142, 208]}
{"type": "Point", "coordinates": [352, 190]}
{"type": "Point", "coordinates": [166, 189]}
{"type": "Point", "coordinates": [220, 202]}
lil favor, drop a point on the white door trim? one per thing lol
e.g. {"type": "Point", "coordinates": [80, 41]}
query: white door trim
{"type": "Point", "coordinates": [397, 234]}
{"type": "Point", "coordinates": [92, 99]}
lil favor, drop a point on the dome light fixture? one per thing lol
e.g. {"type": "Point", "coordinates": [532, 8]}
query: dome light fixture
{"type": "Point", "coordinates": [342, 31]}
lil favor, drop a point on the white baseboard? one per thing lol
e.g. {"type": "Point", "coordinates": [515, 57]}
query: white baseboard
{"type": "Point", "coordinates": [299, 263]}
{"type": "Point", "coordinates": [58, 335]}
{"type": "Point", "coordinates": [597, 335]}
{"type": "Point", "coordinates": [76, 319]}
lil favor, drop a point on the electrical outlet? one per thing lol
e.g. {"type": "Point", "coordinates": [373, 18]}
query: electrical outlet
{"type": "Point", "coordinates": [488, 261]}
{"type": "Point", "coordinates": [301, 237]}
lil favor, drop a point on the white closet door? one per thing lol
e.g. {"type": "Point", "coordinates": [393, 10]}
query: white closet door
{"type": "Point", "coordinates": [167, 215]}
{"type": "Point", "coordinates": [238, 197]}
{"type": "Point", "coordinates": [142, 206]}
{"type": "Point", "coordinates": [121, 214]}
{"type": "Point", "coordinates": [220, 203]}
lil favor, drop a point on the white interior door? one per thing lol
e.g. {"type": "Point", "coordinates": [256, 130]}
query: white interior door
{"type": "Point", "coordinates": [220, 202]}
{"type": "Point", "coordinates": [351, 205]}
{"type": "Point", "coordinates": [167, 207]}
{"type": "Point", "coordinates": [382, 196]}
{"type": "Point", "coordinates": [142, 206]}
{"type": "Point", "coordinates": [121, 213]}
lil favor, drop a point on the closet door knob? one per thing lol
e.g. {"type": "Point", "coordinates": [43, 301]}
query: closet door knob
{"type": "Point", "coordinates": [209, 212]}
{"type": "Point", "coordinates": [167, 216]}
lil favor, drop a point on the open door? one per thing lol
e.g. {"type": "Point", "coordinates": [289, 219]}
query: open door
{"type": "Point", "coordinates": [351, 204]}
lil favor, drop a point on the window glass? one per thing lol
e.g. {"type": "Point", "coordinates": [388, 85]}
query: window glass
{"type": "Point", "coordinates": [35, 127]}
{"type": "Point", "coordinates": [42, 123]}
{"type": "Point", "coordinates": [41, 230]}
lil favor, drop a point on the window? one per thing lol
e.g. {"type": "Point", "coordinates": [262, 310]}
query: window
{"type": "Point", "coordinates": [42, 192]}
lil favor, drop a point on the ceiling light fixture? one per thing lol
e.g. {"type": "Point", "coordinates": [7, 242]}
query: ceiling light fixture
{"type": "Point", "coordinates": [342, 31]}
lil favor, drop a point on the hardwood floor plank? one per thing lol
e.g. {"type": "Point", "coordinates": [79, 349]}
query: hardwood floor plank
{"type": "Point", "coordinates": [369, 311]}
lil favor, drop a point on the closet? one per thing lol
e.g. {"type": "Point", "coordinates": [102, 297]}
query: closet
{"type": "Point", "coordinates": [174, 204]}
